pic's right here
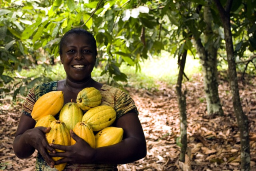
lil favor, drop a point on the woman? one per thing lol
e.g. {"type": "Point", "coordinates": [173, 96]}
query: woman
{"type": "Point", "coordinates": [78, 53]}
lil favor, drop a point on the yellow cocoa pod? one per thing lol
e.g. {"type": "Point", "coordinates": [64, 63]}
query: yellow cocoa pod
{"type": "Point", "coordinates": [88, 98]}
{"type": "Point", "coordinates": [85, 132]}
{"type": "Point", "coordinates": [48, 104]}
{"type": "Point", "coordinates": [109, 136]}
{"type": "Point", "coordinates": [71, 114]}
{"type": "Point", "coordinates": [100, 117]}
{"type": "Point", "coordinates": [45, 121]}
{"type": "Point", "coordinates": [59, 134]}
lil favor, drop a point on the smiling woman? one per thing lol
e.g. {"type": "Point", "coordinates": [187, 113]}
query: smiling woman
{"type": "Point", "coordinates": [78, 53]}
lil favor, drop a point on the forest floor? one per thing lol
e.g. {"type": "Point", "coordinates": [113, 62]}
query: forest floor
{"type": "Point", "coordinates": [213, 142]}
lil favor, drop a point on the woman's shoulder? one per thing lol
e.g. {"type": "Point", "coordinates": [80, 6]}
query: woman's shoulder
{"type": "Point", "coordinates": [106, 87]}
{"type": "Point", "coordinates": [47, 85]}
{"type": "Point", "coordinates": [44, 88]}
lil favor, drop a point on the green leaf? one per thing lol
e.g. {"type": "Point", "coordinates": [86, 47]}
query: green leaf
{"type": "Point", "coordinates": [39, 32]}
{"type": "Point", "coordinates": [252, 29]}
{"type": "Point", "coordinates": [3, 31]}
{"type": "Point", "coordinates": [91, 4]}
{"type": "Point", "coordinates": [57, 3]}
{"type": "Point", "coordinates": [115, 69]}
{"type": "Point", "coordinates": [6, 78]}
{"type": "Point", "coordinates": [71, 5]}
{"type": "Point", "coordinates": [4, 11]}
{"type": "Point", "coordinates": [128, 60]}
{"type": "Point", "coordinates": [126, 57]}
{"type": "Point", "coordinates": [253, 42]}
{"type": "Point", "coordinates": [31, 29]}
{"type": "Point", "coordinates": [14, 32]}
{"type": "Point", "coordinates": [238, 46]}
{"type": "Point", "coordinates": [8, 45]}
{"type": "Point", "coordinates": [52, 42]}
{"type": "Point", "coordinates": [34, 82]}
{"type": "Point", "coordinates": [121, 77]}
{"type": "Point", "coordinates": [88, 22]}
{"type": "Point", "coordinates": [64, 24]}
{"type": "Point", "coordinates": [1, 70]}
{"type": "Point", "coordinates": [20, 45]}
{"type": "Point", "coordinates": [167, 7]}
{"type": "Point", "coordinates": [236, 5]}
{"type": "Point", "coordinates": [188, 44]}
{"type": "Point", "coordinates": [109, 36]}
{"type": "Point", "coordinates": [172, 18]}
{"type": "Point", "coordinates": [55, 30]}
{"type": "Point", "coordinates": [6, 90]}
{"type": "Point", "coordinates": [148, 22]}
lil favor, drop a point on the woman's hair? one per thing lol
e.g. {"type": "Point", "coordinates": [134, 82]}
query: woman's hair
{"type": "Point", "coordinates": [78, 31]}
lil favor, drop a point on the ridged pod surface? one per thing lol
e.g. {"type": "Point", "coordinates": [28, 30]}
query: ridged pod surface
{"type": "Point", "coordinates": [100, 117]}
{"type": "Point", "coordinates": [48, 104]}
{"type": "Point", "coordinates": [85, 132]}
{"type": "Point", "coordinates": [88, 98]}
{"type": "Point", "coordinates": [71, 114]}
{"type": "Point", "coordinates": [45, 121]}
{"type": "Point", "coordinates": [109, 136]}
{"type": "Point", "coordinates": [59, 134]}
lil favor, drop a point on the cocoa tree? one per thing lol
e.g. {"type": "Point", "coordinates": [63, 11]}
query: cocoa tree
{"type": "Point", "coordinates": [242, 119]}
{"type": "Point", "coordinates": [181, 94]}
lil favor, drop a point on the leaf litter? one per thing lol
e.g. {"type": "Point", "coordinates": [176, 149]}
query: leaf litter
{"type": "Point", "coordinates": [213, 142]}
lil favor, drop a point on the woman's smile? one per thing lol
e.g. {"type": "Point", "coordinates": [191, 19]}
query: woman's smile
{"type": "Point", "coordinates": [79, 66]}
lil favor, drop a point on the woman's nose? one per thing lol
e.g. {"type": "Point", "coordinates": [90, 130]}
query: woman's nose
{"type": "Point", "coordinates": [79, 55]}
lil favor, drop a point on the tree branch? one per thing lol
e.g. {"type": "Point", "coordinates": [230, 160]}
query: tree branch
{"type": "Point", "coordinates": [248, 60]}
{"type": "Point", "coordinates": [98, 5]}
{"type": "Point", "coordinates": [221, 10]}
{"type": "Point", "coordinates": [229, 5]}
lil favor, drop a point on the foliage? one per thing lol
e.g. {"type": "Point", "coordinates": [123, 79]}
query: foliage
{"type": "Point", "coordinates": [126, 31]}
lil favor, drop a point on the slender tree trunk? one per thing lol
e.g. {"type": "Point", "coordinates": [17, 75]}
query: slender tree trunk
{"type": "Point", "coordinates": [182, 108]}
{"type": "Point", "coordinates": [208, 58]}
{"type": "Point", "coordinates": [242, 119]}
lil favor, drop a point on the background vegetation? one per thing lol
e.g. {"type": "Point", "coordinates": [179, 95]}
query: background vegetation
{"type": "Point", "coordinates": [135, 35]}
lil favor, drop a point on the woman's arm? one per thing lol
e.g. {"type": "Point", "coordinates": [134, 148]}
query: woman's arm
{"type": "Point", "coordinates": [28, 138]}
{"type": "Point", "coordinates": [132, 148]}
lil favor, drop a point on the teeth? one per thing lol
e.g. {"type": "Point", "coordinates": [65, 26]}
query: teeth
{"type": "Point", "coordinates": [78, 66]}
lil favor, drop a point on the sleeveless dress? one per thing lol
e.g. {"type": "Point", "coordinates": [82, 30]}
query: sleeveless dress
{"type": "Point", "coordinates": [111, 96]}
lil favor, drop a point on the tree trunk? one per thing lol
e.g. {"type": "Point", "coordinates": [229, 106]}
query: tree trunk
{"type": "Point", "coordinates": [242, 119]}
{"type": "Point", "coordinates": [208, 58]}
{"type": "Point", "coordinates": [182, 108]}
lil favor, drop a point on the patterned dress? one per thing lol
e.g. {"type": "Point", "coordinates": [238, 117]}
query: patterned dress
{"type": "Point", "coordinates": [114, 97]}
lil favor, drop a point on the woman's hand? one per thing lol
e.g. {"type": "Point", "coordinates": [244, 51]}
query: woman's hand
{"type": "Point", "coordinates": [36, 138]}
{"type": "Point", "coordinates": [28, 139]}
{"type": "Point", "coordinates": [79, 153]}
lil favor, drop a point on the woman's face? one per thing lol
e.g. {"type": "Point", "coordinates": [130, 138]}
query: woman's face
{"type": "Point", "coordinates": [78, 57]}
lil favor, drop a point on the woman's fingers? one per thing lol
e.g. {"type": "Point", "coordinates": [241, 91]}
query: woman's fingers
{"type": "Point", "coordinates": [59, 147]}
{"type": "Point", "coordinates": [74, 136]}
{"type": "Point", "coordinates": [63, 160]}
{"type": "Point", "coordinates": [47, 129]}
{"type": "Point", "coordinates": [58, 154]}
{"type": "Point", "coordinates": [46, 156]}
{"type": "Point", "coordinates": [44, 148]}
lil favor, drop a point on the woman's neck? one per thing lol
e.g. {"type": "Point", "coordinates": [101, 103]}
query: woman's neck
{"type": "Point", "coordinates": [78, 85]}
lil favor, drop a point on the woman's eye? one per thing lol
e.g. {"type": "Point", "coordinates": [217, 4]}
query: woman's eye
{"type": "Point", "coordinates": [71, 51]}
{"type": "Point", "coordinates": [86, 51]}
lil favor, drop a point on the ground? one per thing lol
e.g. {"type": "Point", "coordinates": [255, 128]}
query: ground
{"type": "Point", "coordinates": [213, 142]}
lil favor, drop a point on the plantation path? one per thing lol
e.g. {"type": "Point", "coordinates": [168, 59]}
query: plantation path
{"type": "Point", "coordinates": [214, 143]}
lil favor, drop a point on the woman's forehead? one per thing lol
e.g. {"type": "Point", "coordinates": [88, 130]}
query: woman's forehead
{"type": "Point", "coordinates": [78, 38]}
